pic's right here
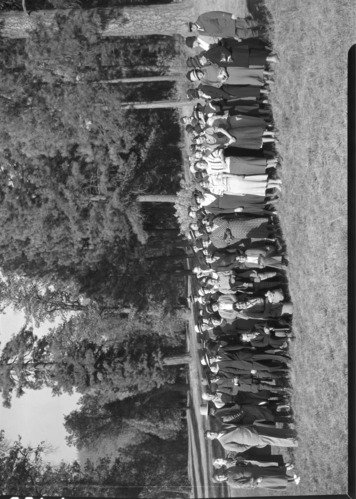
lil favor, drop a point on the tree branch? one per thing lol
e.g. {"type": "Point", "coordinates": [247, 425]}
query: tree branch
{"type": "Point", "coordinates": [24, 7]}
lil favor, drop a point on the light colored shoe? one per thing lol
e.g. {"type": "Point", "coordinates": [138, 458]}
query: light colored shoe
{"type": "Point", "coordinates": [272, 58]}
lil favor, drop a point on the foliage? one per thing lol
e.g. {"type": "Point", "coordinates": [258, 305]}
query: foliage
{"type": "Point", "coordinates": [41, 299]}
{"type": "Point", "coordinates": [10, 4]}
{"type": "Point", "coordinates": [73, 163]}
{"type": "Point", "coordinates": [24, 364]}
{"type": "Point", "coordinates": [24, 471]}
{"type": "Point", "coordinates": [146, 414]}
{"type": "Point", "coordinates": [92, 352]}
{"type": "Point", "coordinates": [185, 200]}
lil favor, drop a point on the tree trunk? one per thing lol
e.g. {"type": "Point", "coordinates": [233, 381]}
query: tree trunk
{"type": "Point", "coordinates": [158, 104]}
{"type": "Point", "coordinates": [157, 198]}
{"type": "Point", "coordinates": [166, 19]}
{"type": "Point", "coordinates": [175, 360]}
{"type": "Point", "coordinates": [145, 79]}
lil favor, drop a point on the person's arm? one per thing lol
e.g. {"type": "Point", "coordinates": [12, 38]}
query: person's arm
{"type": "Point", "coordinates": [226, 133]}
{"type": "Point", "coordinates": [243, 483]}
{"type": "Point", "coordinates": [266, 275]}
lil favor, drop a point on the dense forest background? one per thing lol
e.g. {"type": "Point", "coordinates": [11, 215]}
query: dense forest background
{"type": "Point", "coordinates": [76, 244]}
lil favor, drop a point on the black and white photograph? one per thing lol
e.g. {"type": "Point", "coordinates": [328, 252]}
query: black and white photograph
{"type": "Point", "coordinates": [174, 248]}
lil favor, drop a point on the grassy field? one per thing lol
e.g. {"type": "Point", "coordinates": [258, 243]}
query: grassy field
{"type": "Point", "coordinates": [309, 103]}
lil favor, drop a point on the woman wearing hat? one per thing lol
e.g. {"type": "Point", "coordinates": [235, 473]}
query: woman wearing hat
{"type": "Point", "coordinates": [245, 132]}
{"type": "Point", "coordinates": [216, 76]}
{"type": "Point", "coordinates": [226, 183]}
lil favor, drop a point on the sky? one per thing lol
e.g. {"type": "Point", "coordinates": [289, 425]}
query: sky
{"type": "Point", "coordinates": [37, 415]}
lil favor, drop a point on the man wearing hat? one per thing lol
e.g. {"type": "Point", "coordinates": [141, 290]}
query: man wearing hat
{"type": "Point", "coordinates": [225, 25]}
{"type": "Point", "coordinates": [240, 439]}
{"type": "Point", "coordinates": [202, 41]}
{"type": "Point", "coordinates": [246, 414]}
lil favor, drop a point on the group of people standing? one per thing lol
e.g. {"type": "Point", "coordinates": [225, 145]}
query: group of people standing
{"type": "Point", "coordinates": [240, 293]}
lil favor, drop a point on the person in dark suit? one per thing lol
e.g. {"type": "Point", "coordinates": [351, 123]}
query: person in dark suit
{"type": "Point", "coordinates": [225, 25]}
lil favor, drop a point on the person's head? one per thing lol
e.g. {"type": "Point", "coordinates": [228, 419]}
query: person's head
{"type": "Point", "coordinates": [214, 368]}
{"type": "Point", "coordinates": [219, 463]}
{"type": "Point", "coordinates": [204, 184]}
{"type": "Point", "coordinates": [198, 154]}
{"type": "Point", "coordinates": [240, 258]}
{"type": "Point", "coordinates": [199, 198]}
{"type": "Point", "coordinates": [192, 214]}
{"type": "Point", "coordinates": [189, 129]}
{"type": "Point", "coordinates": [211, 435]}
{"type": "Point", "coordinates": [201, 164]}
{"type": "Point", "coordinates": [204, 327]}
{"type": "Point", "coordinates": [193, 62]}
{"type": "Point", "coordinates": [207, 396]}
{"type": "Point", "coordinates": [199, 176]}
{"type": "Point", "coordinates": [193, 169]}
{"type": "Point", "coordinates": [275, 295]}
{"type": "Point", "coordinates": [246, 337]}
{"type": "Point", "coordinates": [194, 226]}
{"type": "Point", "coordinates": [201, 139]}
{"type": "Point", "coordinates": [192, 26]}
{"type": "Point", "coordinates": [195, 75]}
{"type": "Point", "coordinates": [220, 476]}
{"type": "Point", "coordinates": [186, 119]}
{"type": "Point", "coordinates": [215, 307]}
{"type": "Point", "coordinates": [216, 321]}
{"type": "Point", "coordinates": [191, 41]}
{"type": "Point", "coordinates": [192, 94]}
{"type": "Point", "coordinates": [196, 270]}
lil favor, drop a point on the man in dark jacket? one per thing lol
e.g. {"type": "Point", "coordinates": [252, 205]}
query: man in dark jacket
{"type": "Point", "coordinates": [225, 25]}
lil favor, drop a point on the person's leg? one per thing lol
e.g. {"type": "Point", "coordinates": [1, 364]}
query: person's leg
{"type": "Point", "coordinates": [267, 140]}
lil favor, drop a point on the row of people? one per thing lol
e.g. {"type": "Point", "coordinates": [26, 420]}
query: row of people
{"type": "Point", "coordinates": [240, 294]}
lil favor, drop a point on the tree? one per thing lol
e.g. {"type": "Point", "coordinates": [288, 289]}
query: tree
{"type": "Point", "coordinates": [166, 19]}
{"type": "Point", "coordinates": [41, 299]}
{"type": "Point", "coordinates": [157, 198]}
{"type": "Point", "coordinates": [158, 104]}
{"type": "Point", "coordinates": [24, 471]}
{"type": "Point", "coordinates": [157, 413]}
{"type": "Point", "coordinates": [24, 364]}
{"type": "Point", "coordinates": [74, 356]}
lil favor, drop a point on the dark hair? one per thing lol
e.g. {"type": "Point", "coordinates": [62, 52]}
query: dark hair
{"type": "Point", "coordinates": [199, 176]}
{"type": "Point", "coordinates": [192, 93]}
{"type": "Point", "coordinates": [209, 308]}
{"type": "Point", "coordinates": [218, 473]}
{"type": "Point", "coordinates": [189, 41]}
{"type": "Point", "coordinates": [190, 26]}
{"type": "Point", "coordinates": [188, 74]}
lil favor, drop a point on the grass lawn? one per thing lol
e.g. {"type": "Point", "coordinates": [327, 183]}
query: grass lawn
{"type": "Point", "coordinates": [309, 103]}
